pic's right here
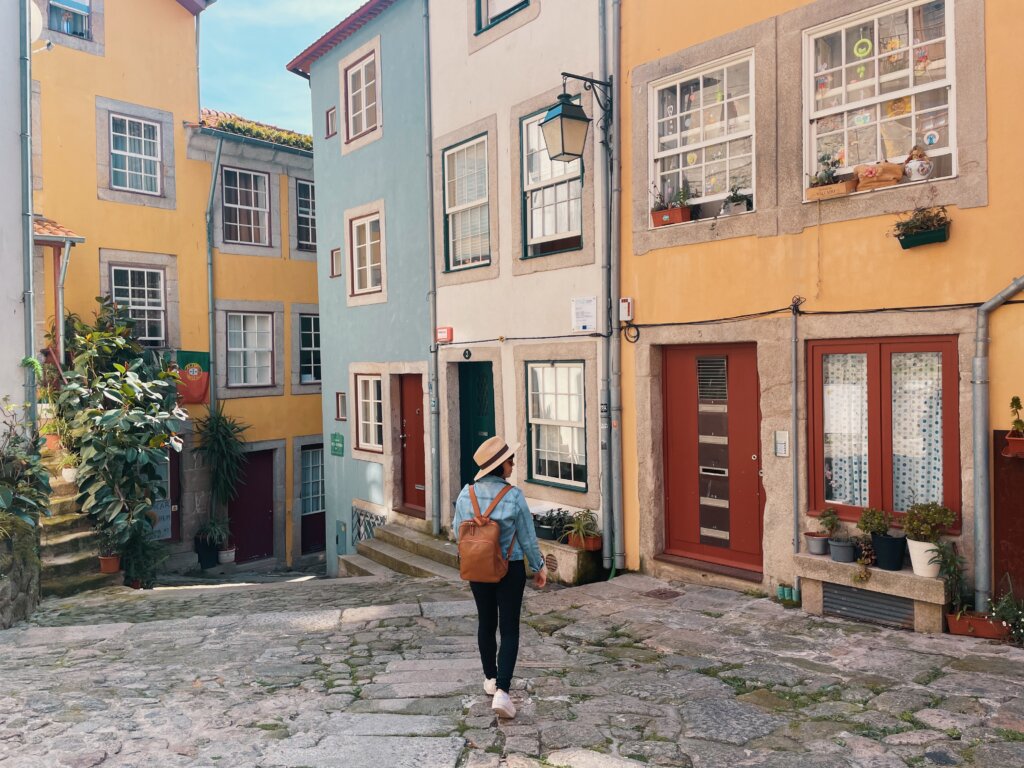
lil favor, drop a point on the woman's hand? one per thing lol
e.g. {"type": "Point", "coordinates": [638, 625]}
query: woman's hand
{"type": "Point", "coordinates": [540, 578]}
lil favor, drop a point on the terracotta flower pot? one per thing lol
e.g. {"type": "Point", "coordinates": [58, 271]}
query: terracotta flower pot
{"type": "Point", "coordinates": [670, 216]}
{"type": "Point", "coordinates": [975, 624]}
{"type": "Point", "coordinates": [586, 543]}
{"type": "Point", "coordinates": [1014, 447]}
{"type": "Point", "coordinates": [110, 563]}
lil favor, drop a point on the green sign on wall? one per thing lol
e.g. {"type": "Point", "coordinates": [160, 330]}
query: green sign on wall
{"type": "Point", "coordinates": [337, 444]}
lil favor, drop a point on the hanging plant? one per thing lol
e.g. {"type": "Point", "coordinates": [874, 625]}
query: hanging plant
{"type": "Point", "coordinates": [922, 226]}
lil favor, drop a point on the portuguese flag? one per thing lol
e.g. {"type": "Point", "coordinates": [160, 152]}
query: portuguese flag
{"type": "Point", "coordinates": [194, 370]}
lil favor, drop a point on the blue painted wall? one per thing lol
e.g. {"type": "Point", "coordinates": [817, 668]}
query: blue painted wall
{"type": "Point", "coordinates": [393, 168]}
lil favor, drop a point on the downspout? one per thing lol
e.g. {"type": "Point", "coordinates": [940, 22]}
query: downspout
{"type": "Point", "coordinates": [58, 322]}
{"type": "Point", "coordinates": [983, 449]}
{"type": "Point", "coordinates": [615, 77]}
{"type": "Point", "coordinates": [209, 276]}
{"type": "Point", "coordinates": [794, 429]}
{"type": "Point", "coordinates": [28, 295]}
{"type": "Point", "coordinates": [608, 525]}
{"type": "Point", "coordinates": [435, 408]}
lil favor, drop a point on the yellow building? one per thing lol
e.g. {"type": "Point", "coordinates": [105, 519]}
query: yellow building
{"type": "Point", "coordinates": [729, 457]}
{"type": "Point", "coordinates": [122, 161]}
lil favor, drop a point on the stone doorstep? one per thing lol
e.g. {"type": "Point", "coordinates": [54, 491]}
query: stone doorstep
{"type": "Point", "coordinates": [350, 566]}
{"type": "Point", "coordinates": [929, 595]}
{"type": "Point", "coordinates": [436, 549]}
{"type": "Point", "coordinates": [71, 564]}
{"type": "Point", "coordinates": [403, 561]}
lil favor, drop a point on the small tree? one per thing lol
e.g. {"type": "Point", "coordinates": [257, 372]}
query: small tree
{"type": "Point", "coordinates": [222, 446]}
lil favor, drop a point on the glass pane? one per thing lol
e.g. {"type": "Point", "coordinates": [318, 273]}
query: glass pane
{"type": "Point", "coordinates": [845, 428]}
{"type": "Point", "coordinates": [929, 21]}
{"type": "Point", "coordinates": [827, 52]}
{"type": "Point", "coordinates": [916, 428]}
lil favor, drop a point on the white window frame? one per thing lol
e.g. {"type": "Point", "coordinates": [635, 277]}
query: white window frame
{"type": "Point", "coordinates": [356, 266]}
{"type": "Point", "coordinates": [67, 8]}
{"type": "Point", "coordinates": [336, 262]}
{"type": "Point", "coordinates": [452, 210]}
{"type": "Point", "coordinates": [308, 214]}
{"type": "Point", "coordinates": [245, 352]}
{"type": "Point", "coordinates": [534, 422]}
{"type": "Point", "coordinates": [315, 368]}
{"type": "Point", "coordinates": [142, 158]}
{"type": "Point", "coordinates": [654, 174]}
{"type": "Point", "coordinates": [311, 489]}
{"type": "Point", "coordinates": [808, 76]}
{"type": "Point", "coordinates": [341, 406]}
{"type": "Point", "coordinates": [563, 174]}
{"type": "Point", "coordinates": [261, 215]}
{"type": "Point", "coordinates": [369, 392]}
{"type": "Point", "coordinates": [350, 113]}
{"type": "Point", "coordinates": [332, 122]}
{"type": "Point", "coordinates": [151, 304]}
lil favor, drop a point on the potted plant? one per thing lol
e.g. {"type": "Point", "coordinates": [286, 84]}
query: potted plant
{"type": "Point", "coordinates": [917, 166]}
{"type": "Point", "coordinates": [842, 548]}
{"type": "Point", "coordinates": [582, 532]}
{"type": "Point", "coordinates": [817, 541]}
{"type": "Point", "coordinates": [923, 524]}
{"type": "Point", "coordinates": [1007, 613]}
{"type": "Point", "coordinates": [671, 210]}
{"type": "Point", "coordinates": [215, 535]}
{"type": "Point", "coordinates": [826, 183]}
{"type": "Point", "coordinates": [110, 555]}
{"type": "Point", "coordinates": [222, 445]}
{"type": "Point", "coordinates": [889, 550]}
{"type": "Point", "coordinates": [922, 226]}
{"type": "Point", "coordinates": [141, 555]}
{"type": "Point", "coordinates": [735, 202]}
{"type": "Point", "coordinates": [1015, 437]}
{"type": "Point", "coordinates": [68, 464]}
{"type": "Point", "coordinates": [959, 619]}
{"type": "Point", "coordinates": [51, 432]}
{"type": "Point", "coordinates": [544, 524]}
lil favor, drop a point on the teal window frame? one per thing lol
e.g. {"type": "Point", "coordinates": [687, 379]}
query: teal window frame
{"type": "Point", "coordinates": [483, 24]}
{"type": "Point", "coordinates": [444, 206]}
{"type": "Point", "coordinates": [530, 476]}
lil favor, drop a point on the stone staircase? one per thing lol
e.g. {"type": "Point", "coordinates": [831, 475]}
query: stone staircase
{"type": "Point", "coordinates": [69, 547]}
{"type": "Point", "coordinates": [397, 549]}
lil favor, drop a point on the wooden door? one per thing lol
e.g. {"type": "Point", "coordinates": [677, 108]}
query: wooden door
{"type": "Point", "coordinates": [251, 512]}
{"type": "Point", "coordinates": [476, 413]}
{"type": "Point", "coordinates": [414, 468]}
{"type": "Point", "coordinates": [1008, 523]}
{"type": "Point", "coordinates": [713, 496]}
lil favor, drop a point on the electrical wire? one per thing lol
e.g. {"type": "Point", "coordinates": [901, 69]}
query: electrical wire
{"type": "Point", "coordinates": [502, 339]}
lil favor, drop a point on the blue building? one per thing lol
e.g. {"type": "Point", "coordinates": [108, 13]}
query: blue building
{"type": "Point", "coordinates": [369, 96]}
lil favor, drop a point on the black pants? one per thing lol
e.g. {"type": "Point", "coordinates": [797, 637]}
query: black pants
{"type": "Point", "coordinates": [498, 607]}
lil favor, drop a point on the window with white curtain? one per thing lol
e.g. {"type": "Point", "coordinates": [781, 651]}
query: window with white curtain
{"type": "Point", "coordinates": [71, 17]}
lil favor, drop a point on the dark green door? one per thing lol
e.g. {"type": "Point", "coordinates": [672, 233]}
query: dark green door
{"type": "Point", "coordinates": [476, 412]}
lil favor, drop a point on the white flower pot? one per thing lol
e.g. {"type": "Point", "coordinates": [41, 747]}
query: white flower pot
{"type": "Point", "coordinates": [226, 556]}
{"type": "Point", "coordinates": [918, 170]}
{"type": "Point", "coordinates": [70, 474]}
{"type": "Point", "coordinates": [921, 552]}
{"type": "Point", "coordinates": [729, 209]}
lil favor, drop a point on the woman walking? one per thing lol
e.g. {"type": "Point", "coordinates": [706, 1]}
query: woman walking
{"type": "Point", "coordinates": [498, 605]}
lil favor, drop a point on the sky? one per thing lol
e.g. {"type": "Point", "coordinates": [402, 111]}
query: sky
{"type": "Point", "coordinates": [244, 47]}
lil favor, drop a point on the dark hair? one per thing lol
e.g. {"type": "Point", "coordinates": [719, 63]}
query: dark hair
{"type": "Point", "coordinates": [498, 471]}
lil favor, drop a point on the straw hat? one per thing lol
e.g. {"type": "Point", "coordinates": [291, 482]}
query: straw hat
{"type": "Point", "coordinates": [492, 453]}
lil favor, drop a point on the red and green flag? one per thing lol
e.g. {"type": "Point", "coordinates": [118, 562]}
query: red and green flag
{"type": "Point", "coordinates": [194, 371]}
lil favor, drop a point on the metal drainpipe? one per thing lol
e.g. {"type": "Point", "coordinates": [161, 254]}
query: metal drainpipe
{"type": "Point", "coordinates": [607, 543]}
{"type": "Point", "coordinates": [435, 408]}
{"type": "Point", "coordinates": [58, 321]}
{"type": "Point", "coordinates": [982, 448]}
{"type": "Point", "coordinates": [209, 276]}
{"type": "Point", "coordinates": [615, 348]}
{"type": "Point", "coordinates": [28, 294]}
{"type": "Point", "coordinates": [794, 436]}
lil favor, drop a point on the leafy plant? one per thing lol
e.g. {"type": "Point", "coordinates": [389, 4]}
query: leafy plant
{"type": "Point", "coordinates": [1009, 611]}
{"type": "Point", "coordinates": [828, 166]}
{"type": "Point", "coordinates": [951, 569]}
{"type": "Point", "coordinates": [215, 531]}
{"type": "Point", "coordinates": [735, 196]}
{"type": "Point", "coordinates": [678, 200]}
{"type": "Point", "coordinates": [141, 556]}
{"type": "Point", "coordinates": [222, 445]}
{"type": "Point", "coordinates": [921, 220]}
{"type": "Point", "coordinates": [581, 525]}
{"type": "Point", "coordinates": [926, 521]}
{"type": "Point", "coordinates": [265, 133]}
{"type": "Point", "coordinates": [24, 481]}
{"type": "Point", "coordinates": [865, 560]}
{"type": "Point", "coordinates": [875, 521]}
{"type": "Point", "coordinates": [68, 461]}
{"type": "Point", "coordinates": [829, 521]}
{"type": "Point", "coordinates": [1017, 424]}
{"type": "Point", "coordinates": [108, 542]}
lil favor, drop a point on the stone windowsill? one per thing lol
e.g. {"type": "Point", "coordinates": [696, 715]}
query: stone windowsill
{"type": "Point", "coordinates": [899, 583]}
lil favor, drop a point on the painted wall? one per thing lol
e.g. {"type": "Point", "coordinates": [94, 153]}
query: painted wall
{"type": "Point", "coordinates": [486, 83]}
{"type": "Point", "coordinates": [392, 169]}
{"type": "Point", "coordinates": [704, 271]}
{"type": "Point", "coordinates": [12, 344]}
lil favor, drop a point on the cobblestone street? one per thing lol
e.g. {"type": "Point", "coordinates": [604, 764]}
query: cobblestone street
{"type": "Point", "coordinates": [383, 673]}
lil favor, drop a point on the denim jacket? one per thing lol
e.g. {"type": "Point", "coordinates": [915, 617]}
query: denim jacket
{"type": "Point", "coordinates": [511, 514]}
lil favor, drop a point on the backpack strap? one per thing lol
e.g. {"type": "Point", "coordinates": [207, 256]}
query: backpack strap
{"type": "Point", "coordinates": [481, 519]}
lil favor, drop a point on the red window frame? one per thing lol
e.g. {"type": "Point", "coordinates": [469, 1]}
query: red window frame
{"type": "Point", "coordinates": [879, 353]}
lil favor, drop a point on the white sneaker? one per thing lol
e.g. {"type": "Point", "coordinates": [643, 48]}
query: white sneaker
{"type": "Point", "coordinates": [503, 705]}
{"type": "Point", "coordinates": [490, 686]}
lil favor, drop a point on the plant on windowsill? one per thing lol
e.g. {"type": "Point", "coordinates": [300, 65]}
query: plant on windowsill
{"type": "Point", "coordinates": [672, 210]}
{"type": "Point", "coordinates": [817, 541]}
{"type": "Point", "coordinates": [826, 183]}
{"type": "Point", "coordinates": [865, 559]}
{"type": "Point", "coordinates": [842, 548]}
{"type": "Point", "coordinates": [544, 525]}
{"type": "Point", "coordinates": [922, 226]}
{"type": "Point", "coordinates": [735, 202]}
{"type": "Point", "coordinates": [959, 618]}
{"type": "Point", "coordinates": [924, 524]}
{"type": "Point", "coordinates": [1015, 437]}
{"type": "Point", "coordinates": [582, 531]}
{"type": "Point", "coordinates": [888, 549]}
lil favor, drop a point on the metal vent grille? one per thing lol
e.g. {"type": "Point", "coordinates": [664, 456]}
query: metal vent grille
{"type": "Point", "coordinates": [712, 382]}
{"type": "Point", "coordinates": [852, 603]}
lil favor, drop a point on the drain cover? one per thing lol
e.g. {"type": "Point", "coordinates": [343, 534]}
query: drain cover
{"type": "Point", "coordinates": [552, 563]}
{"type": "Point", "coordinates": [662, 594]}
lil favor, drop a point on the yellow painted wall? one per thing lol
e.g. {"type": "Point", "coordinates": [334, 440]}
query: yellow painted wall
{"type": "Point", "coordinates": [159, 71]}
{"type": "Point", "coordinates": [839, 266]}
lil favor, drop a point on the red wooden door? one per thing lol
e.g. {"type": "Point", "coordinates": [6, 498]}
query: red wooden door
{"type": "Point", "coordinates": [414, 469]}
{"type": "Point", "coordinates": [1008, 523]}
{"type": "Point", "coordinates": [713, 497]}
{"type": "Point", "coordinates": [251, 512]}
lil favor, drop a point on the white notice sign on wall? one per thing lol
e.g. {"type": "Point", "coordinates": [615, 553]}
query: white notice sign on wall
{"type": "Point", "coordinates": [584, 314]}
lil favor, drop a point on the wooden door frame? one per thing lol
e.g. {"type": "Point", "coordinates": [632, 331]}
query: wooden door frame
{"type": "Point", "coordinates": [400, 505]}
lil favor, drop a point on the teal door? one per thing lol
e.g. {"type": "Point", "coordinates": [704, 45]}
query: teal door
{"type": "Point", "coordinates": [476, 412]}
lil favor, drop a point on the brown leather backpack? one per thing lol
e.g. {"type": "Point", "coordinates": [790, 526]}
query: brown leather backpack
{"type": "Point", "coordinates": [480, 556]}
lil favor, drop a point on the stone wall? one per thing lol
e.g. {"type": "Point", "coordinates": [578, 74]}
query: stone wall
{"type": "Point", "coordinates": [19, 577]}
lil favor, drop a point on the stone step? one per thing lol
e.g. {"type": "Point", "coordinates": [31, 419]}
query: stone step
{"type": "Point", "coordinates": [83, 582]}
{"type": "Point", "coordinates": [57, 525]}
{"type": "Point", "coordinates": [60, 487]}
{"type": "Point", "coordinates": [357, 565]}
{"type": "Point", "coordinates": [63, 505]}
{"type": "Point", "coordinates": [439, 550]}
{"type": "Point", "coordinates": [71, 564]}
{"type": "Point", "coordinates": [403, 561]}
{"type": "Point", "coordinates": [69, 543]}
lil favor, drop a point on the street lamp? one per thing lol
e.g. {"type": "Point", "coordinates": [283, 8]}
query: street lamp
{"type": "Point", "coordinates": [565, 125]}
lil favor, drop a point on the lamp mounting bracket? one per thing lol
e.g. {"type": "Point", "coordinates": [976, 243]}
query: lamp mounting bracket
{"type": "Point", "coordinates": [602, 90]}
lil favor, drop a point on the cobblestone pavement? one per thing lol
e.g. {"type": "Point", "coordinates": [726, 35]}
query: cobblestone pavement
{"type": "Point", "coordinates": [363, 673]}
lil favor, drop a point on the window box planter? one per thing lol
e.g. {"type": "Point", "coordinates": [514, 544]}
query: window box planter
{"type": "Point", "coordinates": [669, 216]}
{"type": "Point", "coordinates": [827, 191]}
{"type": "Point", "coordinates": [939, 235]}
{"type": "Point", "coordinates": [974, 624]}
{"type": "Point", "coordinates": [817, 543]}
